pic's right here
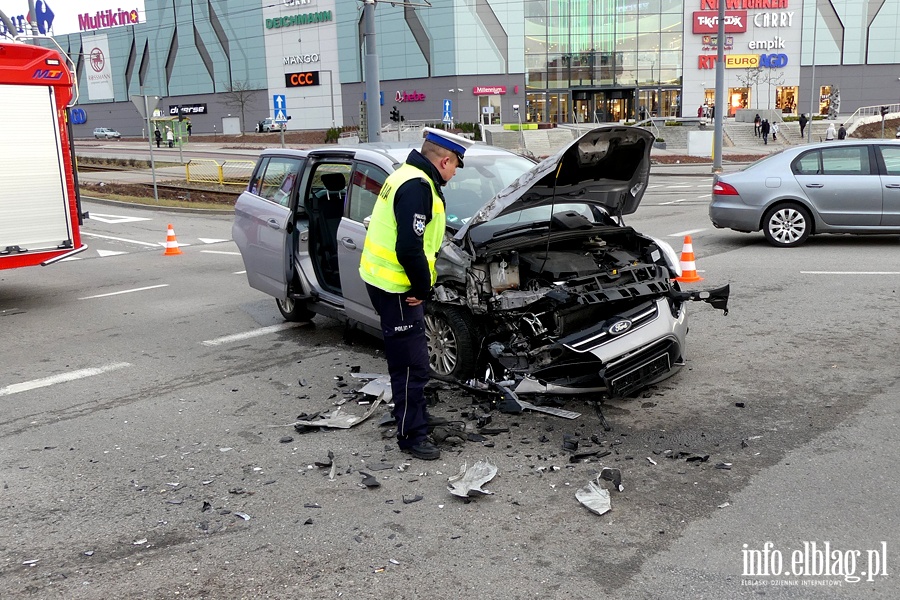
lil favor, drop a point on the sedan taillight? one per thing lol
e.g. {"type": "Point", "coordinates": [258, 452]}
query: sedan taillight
{"type": "Point", "coordinates": [724, 189]}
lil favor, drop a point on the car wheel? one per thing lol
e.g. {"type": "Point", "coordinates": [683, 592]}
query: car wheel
{"type": "Point", "coordinates": [452, 350]}
{"type": "Point", "coordinates": [292, 310]}
{"type": "Point", "coordinates": [787, 225]}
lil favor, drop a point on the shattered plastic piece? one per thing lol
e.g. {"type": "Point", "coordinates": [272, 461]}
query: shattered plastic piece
{"type": "Point", "coordinates": [578, 456]}
{"type": "Point", "coordinates": [312, 505]}
{"type": "Point", "coordinates": [381, 386]}
{"type": "Point", "coordinates": [244, 516]}
{"type": "Point", "coordinates": [369, 480]}
{"type": "Point", "coordinates": [652, 462]}
{"type": "Point", "coordinates": [340, 421]}
{"type": "Point", "coordinates": [333, 471]}
{"type": "Point", "coordinates": [286, 439]}
{"type": "Point", "coordinates": [308, 522]}
{"type": "Point", "coordinates": [469, 481]}
{"type": "Point", "coordinates": [326, 463]}
{"type": "Point", "coordinates": [697, 458]}
{"type": "Point", "coordinates": [724, 466]}
{"type": "Point", "coordinates": [550, 410]}
{"type": "Point", "coordinates": [394, 562]}
{"type": "Point", "coordinates": [89, 553]}
{"type": "Point", "coordinates": [570, 443]}
{"type": "Point", "coordinates": [493, 430]}
{"type": "Point", "coordinates": [614, 476]}
{"type": "Point", "coordinates": [30, 562]}
{"type": "Point", "coordinates": [409, 498]}
{"type": "Point", "coordinates": [594, 497]}
{"type": "Point", "coordinates": [724, 505]}
{"type": "Point", "coordinates": [139, 542]}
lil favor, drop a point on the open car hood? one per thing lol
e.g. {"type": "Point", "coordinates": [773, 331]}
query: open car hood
{"type": "Point", "coordinates": [608, 166]}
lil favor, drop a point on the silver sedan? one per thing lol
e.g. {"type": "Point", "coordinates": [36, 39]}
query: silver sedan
{"type": "Point", "coordinates": [834, 187]}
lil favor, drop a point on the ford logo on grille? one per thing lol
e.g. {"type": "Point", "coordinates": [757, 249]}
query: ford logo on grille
{"type": "Point", "coordinates": [619, 327]}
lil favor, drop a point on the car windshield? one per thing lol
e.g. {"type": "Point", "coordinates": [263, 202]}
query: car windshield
{"type": "Point", "coordinates": [480, 180]}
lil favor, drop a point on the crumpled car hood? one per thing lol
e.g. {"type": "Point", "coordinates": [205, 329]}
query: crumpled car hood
{"type": "Point", "coordinates": [608, 166]}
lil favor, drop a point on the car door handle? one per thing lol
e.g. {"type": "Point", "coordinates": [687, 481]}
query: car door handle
{"type": "Point", "coordinates": [815, 185]}
{"type": "Point", "coordinates": [273, 224]}
{"type": "Point", "coordinates": [893, 186]}
{"type": "Point", "coordinates": [348, 243]}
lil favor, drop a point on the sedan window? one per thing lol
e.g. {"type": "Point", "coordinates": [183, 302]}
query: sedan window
{"type": "Point", "coordinates": [853, 160]}
{"type": "Point", "coordinates": [364, 188]}
{"type": "Point", "coordinates": [891, 156]}
{"type": "Point", "coordinates": [279, 178]}
{"type": "Point", "coordinates": [808, 164]}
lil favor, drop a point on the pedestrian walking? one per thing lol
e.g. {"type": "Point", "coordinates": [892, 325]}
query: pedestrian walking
{"type": "Point", "coordinates": [842, 133]}
{"type": "Point", "coordinates": [764, 129]}
{"type": "Point", "coordinates": [756, 123]}
{"type": "Point", "coordinates": [170, 137]}
{"type": "Point", "coordinates": [829, 133]}
{"type": "Point", "coordinates": [189, 128]}
{"type": "Point", "coordinates": [398, 265]}
{"type": "Point", "coordinates": [774, 132]}
{"type": "Point", "coordinates": [158, 135]}
{"type": "Point", "coordinates": [803, 121]}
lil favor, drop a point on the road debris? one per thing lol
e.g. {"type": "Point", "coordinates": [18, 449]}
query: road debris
{"type": "Point", "coordinates": [614, 476]}
{"type": "Point", "coordinates": [594, 497]}
{"type": "Point", "coordinates": [369, 480]}
{"type": "Point", "coordinates": [469, 480]}
{"type": "Point", "coordinates": [651, 461]}
{"type": "Point", "coordinates": [550, 410]}
{"type": "Point", "coordinates": [243, 516]}
{"type": "Point", "coordinates": [410, 498]}
{"type": "Point", "coordinates": [335, 419]}
{"type": "Point", "coordinates": [327, 462]}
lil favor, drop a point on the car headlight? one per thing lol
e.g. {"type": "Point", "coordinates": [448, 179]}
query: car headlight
{"type": "Point", "coordinates": [672, 259]}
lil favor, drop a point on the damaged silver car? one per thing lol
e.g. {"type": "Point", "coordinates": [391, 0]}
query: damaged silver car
{"type": "Point", "coordinates": [540, 283]}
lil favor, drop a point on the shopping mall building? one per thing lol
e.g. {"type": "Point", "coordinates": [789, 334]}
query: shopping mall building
{"type": "Point", "coordinates": [223, 62]}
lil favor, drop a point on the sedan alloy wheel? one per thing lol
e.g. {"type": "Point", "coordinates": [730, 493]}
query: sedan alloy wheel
{"type": "Point", "coordinates": [787, 225]}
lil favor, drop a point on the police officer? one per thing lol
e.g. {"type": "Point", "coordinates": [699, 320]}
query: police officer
{"type": "Point", "coordinates": [398, 266]}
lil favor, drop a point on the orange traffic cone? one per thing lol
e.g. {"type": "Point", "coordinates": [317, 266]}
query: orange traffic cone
{"type": "Point", "coordinates": [171, 244]}
{"type": "Point", "coordinates": [688, 267]}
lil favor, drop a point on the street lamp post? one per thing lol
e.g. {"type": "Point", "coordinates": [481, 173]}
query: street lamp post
{"type": "Point", "coordinates": [812, 83]}
{"type": "Point", "coordinates": [455, 92]}
{"type": "Point", "coordinates": [331, 90]}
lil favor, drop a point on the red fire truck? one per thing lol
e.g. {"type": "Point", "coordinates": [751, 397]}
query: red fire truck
{"type": "Point", "coordinates": [40, 211]}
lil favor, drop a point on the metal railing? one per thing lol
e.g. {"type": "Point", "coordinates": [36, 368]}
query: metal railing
{"type": "Point", "coordinates": [230, 172]}
{"type": "Point", "coordinates": [864, 112]}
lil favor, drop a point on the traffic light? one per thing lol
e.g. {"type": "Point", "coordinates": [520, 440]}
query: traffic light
{"type": "Point", "coordinates": [395, 114]}
{"type": "Point", "coordinates": [884, 110]}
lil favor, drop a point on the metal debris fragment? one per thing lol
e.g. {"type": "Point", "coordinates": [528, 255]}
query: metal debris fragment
{"type": "Point", "coordinates": [550, 410]}
{"type": "Point", "coordinates": [651, 461]}
{"type": "Point", "coordinates": [337, 420]}
{"type": "Point", "coordinates": [369, 480]}
{"type": "Point", "coordinates": [594, 497]}
{"type": "Point", "coordinates": [469, 480]}
{"type": "Point", "coordinates": [244, 516]}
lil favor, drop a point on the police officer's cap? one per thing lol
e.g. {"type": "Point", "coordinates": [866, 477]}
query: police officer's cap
{"type": "Point", "coordinates": [455, 143]}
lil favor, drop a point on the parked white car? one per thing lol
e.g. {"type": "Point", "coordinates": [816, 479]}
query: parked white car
{"type": "Point", "coordinates": [105, 133]}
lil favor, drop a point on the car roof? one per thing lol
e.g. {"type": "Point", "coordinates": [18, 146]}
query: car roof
{"type": "Point", "coordinates": [390, 153]}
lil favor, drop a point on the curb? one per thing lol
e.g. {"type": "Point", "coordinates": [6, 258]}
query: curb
{"type": "Point", "coordinates": [159, 208]}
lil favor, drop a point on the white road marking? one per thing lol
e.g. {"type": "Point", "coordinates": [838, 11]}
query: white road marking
{"type": "Point", "coordinates": [650, 187]}
{"type": "Point", "coordinates": [105, 253]}
{"type": "Point", "coordinates": [116, 218]}
{"type": "Point", "coordinates": [211, 240]}
{"type": "Point", "coordinates": [108, 237]}
{"type": "Point", "coordinates": [220, 252]}
{"type": "Point", "coordinates": [850, 272]}
{"type": "Point", "coordinates": [684, 233]}
{"type": "Point", "coordinates": [177, 244]}
{"type": "Point", "coordinates": [704, 196]}
{"type": "Point", "coordinates": [237, 337]}
{"type": "Point", "coordinates": [152, 287]}
{"type": "Point", "coordinates": [71, 257]}
{"type": "Point", "coordinates": [672, 201]}
{"type": "Point", "coordinates": [673, 187]}
{"type": "Point", "coordinates": [61, 378]}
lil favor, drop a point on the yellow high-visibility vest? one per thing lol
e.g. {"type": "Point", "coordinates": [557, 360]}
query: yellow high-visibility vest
{"type": "Point", "coordinates": [379, 265]}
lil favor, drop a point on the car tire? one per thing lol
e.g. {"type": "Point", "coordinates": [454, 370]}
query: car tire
{"type": "Point", "coordinates": [452, 350]}
{"type": "Point", "coordinates": [787, 225]}
{"type": "Point", "coordinates": [293, 310]}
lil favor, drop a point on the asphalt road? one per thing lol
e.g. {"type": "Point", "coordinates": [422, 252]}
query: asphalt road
{"type": "Point", "coordinates": [146, 399]}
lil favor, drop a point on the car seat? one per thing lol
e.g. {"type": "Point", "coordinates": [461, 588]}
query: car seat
{"type": "Point", "coordinates": [327, 211]}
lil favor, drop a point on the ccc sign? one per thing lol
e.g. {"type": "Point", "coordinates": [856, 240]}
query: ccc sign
{"type": "Point", "coordinates": [303, 79]}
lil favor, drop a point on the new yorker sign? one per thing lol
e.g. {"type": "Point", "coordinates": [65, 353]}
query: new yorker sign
{"type": "Point", "coordinates": [743, 4]}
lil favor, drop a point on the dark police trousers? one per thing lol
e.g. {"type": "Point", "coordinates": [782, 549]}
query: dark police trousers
{"type": "Point", "coordinates": [406, 350]}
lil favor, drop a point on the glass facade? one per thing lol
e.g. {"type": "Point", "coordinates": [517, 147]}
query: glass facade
{"type": "Point", "coordinates": [616, 59]}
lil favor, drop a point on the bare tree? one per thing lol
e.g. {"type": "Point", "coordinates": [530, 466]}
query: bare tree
{"type": "Point", "coordinates": [750, 78]}
{"type": "Point", "coordinates": [239, 94]}
{"type": "Point", "coordinates": [772, 77]}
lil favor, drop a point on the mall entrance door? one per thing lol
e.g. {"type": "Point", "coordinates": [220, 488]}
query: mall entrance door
{"type": "Point", "coordinates": [603, 106]}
